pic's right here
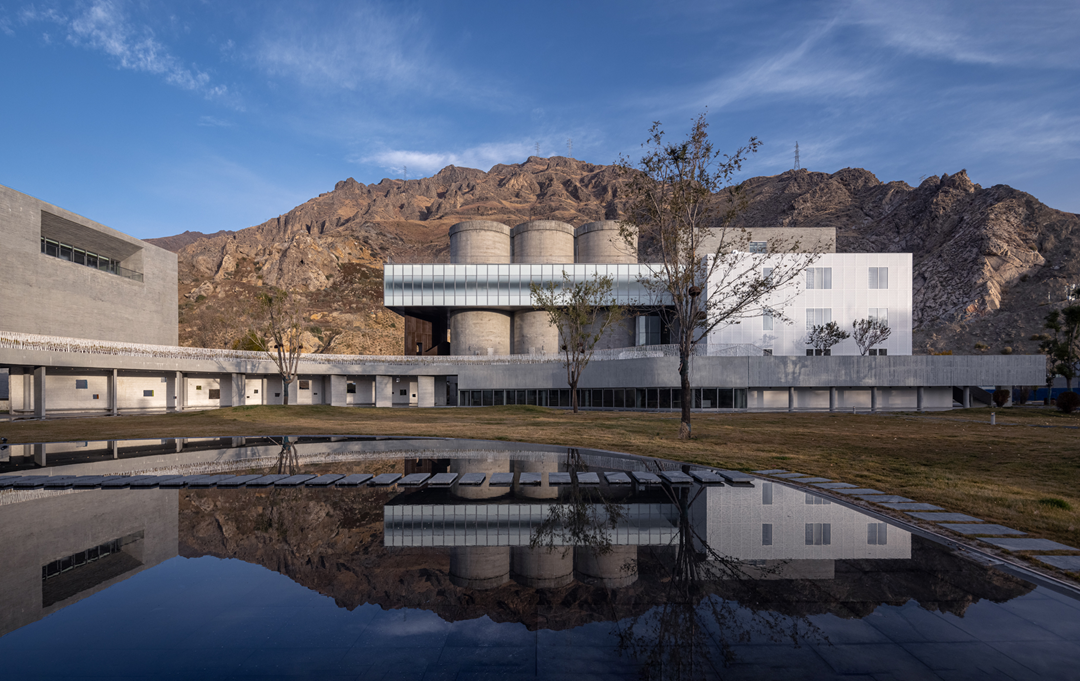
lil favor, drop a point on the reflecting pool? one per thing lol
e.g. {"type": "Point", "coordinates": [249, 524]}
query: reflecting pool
{"type": "Point", "coordinates": [450, 559]}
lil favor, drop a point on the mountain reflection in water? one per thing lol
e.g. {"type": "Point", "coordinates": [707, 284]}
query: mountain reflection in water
{"type": "Point", "coordinates": [680, 575]}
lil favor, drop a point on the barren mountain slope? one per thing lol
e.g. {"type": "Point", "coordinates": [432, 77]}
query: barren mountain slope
{"type": "Point", "coordinates": [985, 260]}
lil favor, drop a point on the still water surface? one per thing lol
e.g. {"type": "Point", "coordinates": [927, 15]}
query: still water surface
{"type": "Point", "coordinates": [516, 580]}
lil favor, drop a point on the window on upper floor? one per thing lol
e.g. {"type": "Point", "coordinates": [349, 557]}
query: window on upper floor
{"type": "Point", "coordinates": [767, 321]}
{"type": "Point", "coordinates": [818, 277]}
{"type": "Point", "coordinates": [879, 277]}
{"type": "Point", "coordinates": [759, 247]}
{"type": "Point", "coordinates": [877, 534]}
{"type": "Point", "coordinates": [881, 313]}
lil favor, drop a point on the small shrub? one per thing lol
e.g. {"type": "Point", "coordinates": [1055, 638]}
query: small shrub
{"type": "Point", "coordinates": [1068, 402]}
{"type": "Point", "coordinates": [982, 346]}
{"type": "Point", "coordinates": [1000, 397]}
{"type": "Point", "coordinates": [1054, 502]}
{"type": "Point", "coordinates": [1007, 350]}
{"type": "Point", "coordinates": [943, 352]}
{"type": "Point", "coordinates": [199, 299]}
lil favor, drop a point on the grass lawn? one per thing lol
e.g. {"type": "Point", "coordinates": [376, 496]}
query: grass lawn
{"type": "Point", "coordinates": [1023, 472]}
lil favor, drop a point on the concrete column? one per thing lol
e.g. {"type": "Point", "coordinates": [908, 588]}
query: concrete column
{"type": "Point", "coordinates": [967, 397]}
{"type": "Point", "coordinates": [425, 391]}
{"type": "Point", "coordinates": [173, 383]}
{"type": "Point", "coordinates": [919, 398]}
{"type": "Point", "coordinates": [274, 392]}
{"type": "Point", "coordinates": [480, 567]}
{"type": "Point", "coordinates": [294, 392]}
{"type": "Point", "coordinates": [236, 386]}
{"type": "Point", "coordinates": [440, 391]}
{"type": "Point", "coordinates": [613, 570]}
{"type": "Point", "coordinates": [791, 399]}
{"type": "Point", "coordinates": [544, 567]}
{"type": "Point", "coordinates": [114, 398]}
{"type": "Point", "coordinates": [873, 399]}
{"type": "Point", "coordinates": [40, 454]}
{"type": "Point", "coordinates": [384, 391]}
{"type": "Point", "coordinates": [832, 399]}
{"type": "Point", "coordinates": [39, 392]}
{"type": "Point", "coordinates": [337, 387]}
{"type": "Point", "coordinates": [114, 445]}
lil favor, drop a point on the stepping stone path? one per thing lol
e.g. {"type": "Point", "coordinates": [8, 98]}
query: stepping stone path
{"type": "Point", "coordinates": [956, 522]}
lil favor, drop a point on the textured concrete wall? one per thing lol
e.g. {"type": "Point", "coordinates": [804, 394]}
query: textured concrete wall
{"type": "Point", "coordinates": [599, 242]}
{"type": "Point", "coordinates": [542, 242]}
{"type": "Point", "coordinates": [479, 332]}
{"type": "Point", "coordinates": [479, 241]}
{"type": "Point", "coordinates": [779, 239]}
{"type": "Point", "coordinates": [45, 295]}
{"type": "Point", "coordinates": [384, 391]}
{"type": "Point", "coordinates": [619, 335]}
{"type": "Point", "coordinates": [533, 334]}
{"type": "Point", "coordinates": [425, 391]}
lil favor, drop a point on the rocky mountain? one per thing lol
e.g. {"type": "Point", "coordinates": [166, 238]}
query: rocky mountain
{"type": "Point", "coordinates": [988, 262]}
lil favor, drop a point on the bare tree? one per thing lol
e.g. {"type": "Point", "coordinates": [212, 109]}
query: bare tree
{"type": "Point", "coordinates": [279, 334]}
{"type": "Point", "coordinates": [823, 337]}
{"type": "Point", "coordinates": [681, 205]}
{"type": "Point", "coordinates": [582, 311]}
{"type": "Point", "coordinates": [869, 332]}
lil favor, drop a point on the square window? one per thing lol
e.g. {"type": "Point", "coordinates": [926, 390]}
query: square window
{"type": "Point", "coordinates": [877, 534]}
{"type": "Point", "coordinates": [350, 388]}
{"type": "Point", "coordinates": [878, 277]}
{"type": "Point", "coordinates": [759, 246]}
{"type": "Point", "coordinates": [96, 396]}
{"type": "Point", "coordinates": [819, 277]}
{"type": "Point", "coordinates": [81, 384]}
{"type": "Point", "coordinates": [148, 393]}
{"type": "Point", "coordinates": [215, 394]}
{"type": "Point", "coordinates": [766, 352]}
{"type": "Point", "coordinates": [403, 391]}
{"type": "Point", "coordinates": [305, 385]}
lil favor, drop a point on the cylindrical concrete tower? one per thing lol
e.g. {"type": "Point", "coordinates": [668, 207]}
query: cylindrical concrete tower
{"type": "Point", "coordinates": [484, 491]}
{"type": "Point", "coordinates": [539, 242]}
{"type": "Point", "coordinates": [543, 242]}
{"type": "Point", "coordinates": [479, 331]}
{"type": "Point", "coordinates": [479, 242]}
{"type": "Point", "coordinates": [599, 242]}
{"type": "Point", "coordinates": [543, 567]}
{"type": "Point", "coordinates": [613, 570]}
{"type": "Point", "coordinates": [549, 463]}
{"type": "Point", "coordinates": [480, 567]}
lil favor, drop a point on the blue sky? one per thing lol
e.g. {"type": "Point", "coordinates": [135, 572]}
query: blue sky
{"type": "Point", "coordinates": [155, 117]}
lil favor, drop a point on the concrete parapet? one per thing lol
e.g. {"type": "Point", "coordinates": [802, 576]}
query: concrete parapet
{"type": "Point", "coordinates": [599, 242]}
{"type": "Point", "coordinates": [479, 242]}
{"type": "Point", "coordinates": [479, 332]}
{"type": "Point", "coordinates": [541, 242]}
{"type": "Point", "coordinates": [613, 570]}
{"type": "Point", "coordinates": [544, 567]}
{"type": "Point", "coordinates": [480, 567]}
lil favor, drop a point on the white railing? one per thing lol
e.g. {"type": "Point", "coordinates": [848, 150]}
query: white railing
{"type": "Point", "coordinates": [11, 340]}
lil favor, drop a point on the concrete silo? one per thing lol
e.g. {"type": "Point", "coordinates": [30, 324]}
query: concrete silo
{"type": "Point", "coordinates": [479, 331]}
{"type": "Point", "coordinates": [600, 243]}
{"type": "Point", "coordinates": [539, 242]}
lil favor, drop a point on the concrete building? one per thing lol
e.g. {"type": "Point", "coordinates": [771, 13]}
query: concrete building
{"type": "Point", "coordinates": [65, 275]}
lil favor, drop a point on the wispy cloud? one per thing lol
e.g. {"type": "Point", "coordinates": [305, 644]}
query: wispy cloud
{"type": "Point", "coordinates": [482, 156]}
{"type": "Point", "coordinates": [992, 32]}
{"type": "Point", "coordinates": [104, 26]}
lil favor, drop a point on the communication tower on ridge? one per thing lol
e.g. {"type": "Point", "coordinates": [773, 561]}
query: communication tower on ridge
{"type": "Point", "coordinates": [797, 166]}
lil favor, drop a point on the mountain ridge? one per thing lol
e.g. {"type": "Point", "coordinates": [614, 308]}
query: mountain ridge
{"type": "Point", "coordinates": [985, 259]}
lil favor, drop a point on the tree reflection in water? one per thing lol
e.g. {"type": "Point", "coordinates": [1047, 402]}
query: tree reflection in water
{"type": "Point", "coordinates": [707, 608]}
{"type": "Point", "coordinates": [288, 462]}
{"type": "Point", "coordinates": [582, 517]}
{"type": "Point", "coordinates": [707, 605]}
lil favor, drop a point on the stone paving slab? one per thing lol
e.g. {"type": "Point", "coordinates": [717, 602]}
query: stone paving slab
{"type": "Point", "coordinates": [1070, 563]}
{"type": "Point", "coordinates": [813, 480]}
{"type": "Point", "coordinates": [945, 517]}
{"type": "Point", "coordinates": [771, 472]}
{"type": "Point", "coordinates": [613, 478]}
{"type": "Point", "coordinates": [442, 480]}
{"type": "Point", "coordinates": [912, 507]}
{"type": "Point", "coordinates": [472, 479]}
{"type": "Point", "coordinates": [859, 490]}
{"type": "Point", "coordinates": [674, 477]}
{"type": "Point", "coordinates": [561, 478]}
{"type": "Point", "coordinates": [501, 479]}
{"type": "Point", "coordinates": [530, 479]}
{"type": "Point", "coordinates": [790, 475]}
{"type": "Point", "coordinates": [645, 478]}
{"type": "Point", "coordinates": [588, 478]}
{"type": "Point", "coordinates": [835, 485]}
{"type": "Point", "coordinates": [988, 528]}
{"type": "Point", "coordinates": [884, 498]}
{"type": "Point", "coordinates": [1027, 544]}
